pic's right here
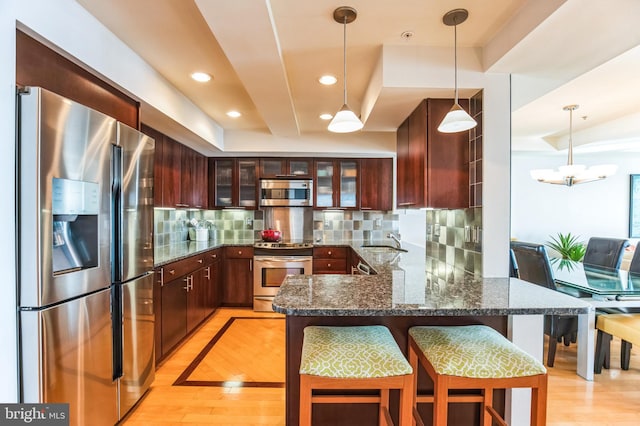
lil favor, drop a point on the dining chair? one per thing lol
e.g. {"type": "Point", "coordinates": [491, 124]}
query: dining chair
{"type": "Point", "coordinates": [605, 252]}
{"type": "Point", "coordinates": [634, 266]}
{"type": "Point", "coordinates": [534, 267]}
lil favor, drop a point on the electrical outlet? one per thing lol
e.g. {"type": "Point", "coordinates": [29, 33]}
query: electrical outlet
{"type": "Point", "coordinates": [249, 222]}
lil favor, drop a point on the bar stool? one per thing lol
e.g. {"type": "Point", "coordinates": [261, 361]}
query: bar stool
{"type": "Point", "coordinates": [354, 357]}
{"type": "Point", "coordinates": [474, 357]}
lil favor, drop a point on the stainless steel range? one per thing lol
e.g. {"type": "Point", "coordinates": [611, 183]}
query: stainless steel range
{"type": "Point", "coordinates": [272, 263]}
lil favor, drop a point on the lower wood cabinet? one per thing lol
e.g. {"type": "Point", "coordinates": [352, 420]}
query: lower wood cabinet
{"type": "Point", "coordinates": [330, 260]}
{"type": "Point", "coordinates": [174, 314]}
{"type": "Point", "coordinates": [185, 293]}
{"type": "Point", "coordinates": [237, 289]}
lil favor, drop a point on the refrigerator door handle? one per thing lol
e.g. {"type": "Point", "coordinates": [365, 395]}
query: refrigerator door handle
{"type": "Point", "coordinates": [118, 331]}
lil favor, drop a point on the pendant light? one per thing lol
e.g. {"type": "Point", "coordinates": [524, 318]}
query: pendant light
{"type": "Point", "coordinates": [573, 174]}
{"type": "Point", "coordinates": [457, 119]}
{"type": "Point", "coordinates": [345, 120]}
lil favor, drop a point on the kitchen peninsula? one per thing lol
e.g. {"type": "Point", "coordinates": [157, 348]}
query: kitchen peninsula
{"type": "Point", "coordinates": [400, 296]}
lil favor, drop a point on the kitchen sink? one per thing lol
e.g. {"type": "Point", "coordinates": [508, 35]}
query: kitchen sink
{"type": "Point", "coordinates": [381, 248]}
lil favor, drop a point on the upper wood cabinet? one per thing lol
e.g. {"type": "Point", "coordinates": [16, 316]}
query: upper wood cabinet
{"type": "Point", "coordinates": [179, 173]}
{"type": "Point", "coordinates": [336, 184]}
{"type": "Point", "coordinates": [432, 167]}
{"type": "Point", "coordinates": [376, 184]}
{"type": "Point", "coordinates": [233, 182]}
{"type": "Point", "coordinates": [273, 168]}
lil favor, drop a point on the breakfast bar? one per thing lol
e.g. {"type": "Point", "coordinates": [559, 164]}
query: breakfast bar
{"type": "Point", "coordinates": [401, 295]}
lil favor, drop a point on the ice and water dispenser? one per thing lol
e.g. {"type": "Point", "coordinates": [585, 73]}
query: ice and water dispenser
{"type": "Point", "coordinates": [75, 209]}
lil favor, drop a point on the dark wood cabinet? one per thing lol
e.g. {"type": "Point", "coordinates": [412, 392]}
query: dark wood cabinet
{"type": "Point", "coordinates": [432, 167]}
{"type": "Point", "coordinates": [376, 184]}
{"type": "Point", "coordinates": [233, 182]}
{"type": "Point", "coordinates": [330, 260]}
{"type": "Point", "coordinates": [180, 173]}
{"type": "Point", "coordinates": [336, 184]}
{"type": "Point", "coordinates": [274, 168]}
{"type": "Point", "coordinates": [157, 312]}
{"type": "Point", "coordinates": [174, 318]}
{"type": "Point", "coordinates": [213, 275]}
{"type": "Point", "coordinates": [237, 289]}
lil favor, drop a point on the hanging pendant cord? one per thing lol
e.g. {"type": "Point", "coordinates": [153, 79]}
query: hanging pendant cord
{"type": "Point", "coordinates": [455, 60]}
{"type": "Point", "coordinates": [570, 159]}
{"type": "Point", "coordinates": [344, 57]}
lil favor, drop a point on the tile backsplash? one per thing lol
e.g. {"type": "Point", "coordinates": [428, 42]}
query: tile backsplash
{"type": "Point", "coordinates": [172, 226]}
{"type": "Point", "coordinates": [454, 243]}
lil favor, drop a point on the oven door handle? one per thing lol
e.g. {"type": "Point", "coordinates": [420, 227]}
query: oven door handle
{"type": "Point", "coordinates": [283, 258]}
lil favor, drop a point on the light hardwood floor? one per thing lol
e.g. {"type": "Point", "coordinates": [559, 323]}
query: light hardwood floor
{"type": "Point", "coordinates": [613, 398]}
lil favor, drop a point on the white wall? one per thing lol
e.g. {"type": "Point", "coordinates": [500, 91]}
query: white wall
{"type": "Point", "coordinates": [8, 356]}
{"type": "Point", "coordinates": [599, 208]}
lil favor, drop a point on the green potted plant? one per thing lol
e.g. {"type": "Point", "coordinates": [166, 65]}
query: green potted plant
{"type": "Point", "coordinates": [568, 246]}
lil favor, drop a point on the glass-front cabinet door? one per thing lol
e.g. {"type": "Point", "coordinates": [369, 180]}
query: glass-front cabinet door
{"type": "Point", "coordinates": [233, 183]}
{"type": "Point", "coordinates": [336, 184]}
{"type": "Point", "coordinates": [248, 183]}
{"type": "Point", "coordinates": [273, 168]}
{"type": "Point", "coordinates": [223, 183]}
{"type": "Point", "coordinates": [348, 184]}
{"type": "Point", "coordinates": [324, 184]}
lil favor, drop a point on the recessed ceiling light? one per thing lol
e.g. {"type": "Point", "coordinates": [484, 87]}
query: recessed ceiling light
{"type": "Point", "coordinates": [326, 116]}
{"type": "Point", "coordinates": [233, 114]}
{"type": "Point", "coordinates": [202, 77]}
{"type": "Point", "coordinates": [327, 80]}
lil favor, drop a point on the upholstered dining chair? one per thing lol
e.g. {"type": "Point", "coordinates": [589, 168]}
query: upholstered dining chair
{"type": "Point", "coordinates": [634, 266]}
{"type": "Point", "coordinates": [605, 252]}
{"type": "Point", "coordinates": [533, 266]}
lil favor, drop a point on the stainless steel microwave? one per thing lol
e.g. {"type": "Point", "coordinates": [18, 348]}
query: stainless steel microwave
{"type": "Point", "coordinates": [286, 192]}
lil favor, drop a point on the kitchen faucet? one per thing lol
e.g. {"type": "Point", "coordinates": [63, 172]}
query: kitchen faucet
{"type": "Point", "coordinates": [395, 239]}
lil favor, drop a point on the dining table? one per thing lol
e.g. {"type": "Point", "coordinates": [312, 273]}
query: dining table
{"type": "Point", "coordinates": [601, 287]}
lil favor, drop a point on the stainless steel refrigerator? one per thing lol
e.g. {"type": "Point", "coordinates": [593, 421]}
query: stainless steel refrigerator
{"type": "Point", "coordinates": [85, 235]}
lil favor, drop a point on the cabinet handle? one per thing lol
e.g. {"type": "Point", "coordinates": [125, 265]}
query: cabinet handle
{"type": "Point", "coordinates": [328, 265]}
{"type": "Point", "coordinates": [161, 280]}
{"type": "Point", "coordinates": [239, 252]}
{"type": "Point", "coordinates": [208, 272]}
{"type": "Point", "coordinates": [365, 208]}
{"type": "Point", "coordinates": [406, 204]}
{"type": "Point", "coordinates": [214, 256]}
{"type": "Point", "coordinates": [199, 260]}
{"type": "Point", "coordinates": [182, 205]}
{"type": "Point", "coordinates": [251, 264]}
{"type": "Point", "coordinates": [172, 272]}
{"type": "Point", "coordinates": [329, 252]}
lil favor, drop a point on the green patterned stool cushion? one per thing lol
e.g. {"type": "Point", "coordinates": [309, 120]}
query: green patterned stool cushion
{"type": "Point", "coordinates": [475, 351]}
{"type": "Point", "coordinates": [352, 352]}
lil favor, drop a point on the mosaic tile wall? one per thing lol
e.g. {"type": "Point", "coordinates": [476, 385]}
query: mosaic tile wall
{"type": "Point", "coordinates": [353, 225]}
{"type": "Point", "coordinates": [173, 226]}
{"type": "Point", "coordinates": [454, 243]}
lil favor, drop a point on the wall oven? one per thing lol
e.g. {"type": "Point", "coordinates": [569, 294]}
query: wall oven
{"type": "Point", "coordinates": [286, 192]}
{"type": "Point", "coordinates": [272, 262]}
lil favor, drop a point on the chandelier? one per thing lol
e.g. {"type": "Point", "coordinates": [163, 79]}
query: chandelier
{"type": "Point", "coordinates": [573, 174]}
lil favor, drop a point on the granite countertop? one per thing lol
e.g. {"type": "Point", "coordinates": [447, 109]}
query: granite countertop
{"type": "Point", "coordinates": [178, 251]}
{"type": "Point", "coordinates": [401, 288]}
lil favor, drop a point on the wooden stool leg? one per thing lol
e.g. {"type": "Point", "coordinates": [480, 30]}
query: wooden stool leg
{"type": "Point", "coordinates": [305, 401]}
{"type": "Point", "coordinates": [440, 401]}
{"type": "Point", "coordinates": [383, 407]}
{"type": "Point", "coordinates": [485, 418]}
{"type": "Point", "coordinates": [413, 361]}
{"type": "Point", "coordinates": [539, 403]}
{"type": "Point", "coordinates": [407, 395]}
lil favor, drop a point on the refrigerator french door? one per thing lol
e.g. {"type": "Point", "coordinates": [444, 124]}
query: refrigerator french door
{"type": "Point", "coordinates": [79, 316]}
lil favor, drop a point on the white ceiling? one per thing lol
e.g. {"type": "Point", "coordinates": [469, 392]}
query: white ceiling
{"type": "Point", "coordinates": [266, 55]}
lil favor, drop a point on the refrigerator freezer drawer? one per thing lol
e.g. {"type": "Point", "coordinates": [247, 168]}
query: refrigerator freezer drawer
{"type": "Point", "coordinates": [138, 341]}
{"type": "Point", "coordinates": [67, 357]}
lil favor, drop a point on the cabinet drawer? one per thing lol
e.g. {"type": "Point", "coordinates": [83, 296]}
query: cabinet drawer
{"type": "Point", "coordinates": [212, 256]}
{"type": "Point", "coordinates": [329, 266]}
{"type": "Point", "coordinates": [330, 252]}
{"type": "Point", "coordinates": [239, 252]}
{"type": "Point", "coordinates": [182, 267]}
